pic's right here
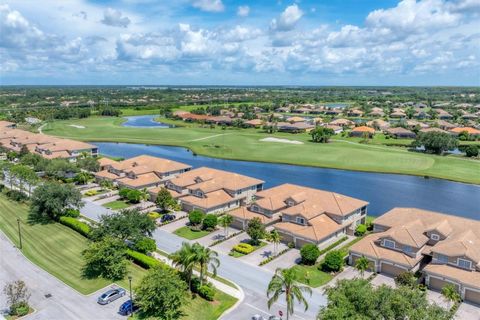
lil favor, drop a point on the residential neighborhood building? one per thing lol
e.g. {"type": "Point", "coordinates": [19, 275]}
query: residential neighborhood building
{"type": "Point", "coordinates": [212, 190]}
{"type": "Point", "coordinates": [140, 172]}
{"type": "Point", "coordinates": [399, 132]}
{"type": "Point", "coordinates": [445, 248]}
{"type": "Point", "coordinates": [361, 131]}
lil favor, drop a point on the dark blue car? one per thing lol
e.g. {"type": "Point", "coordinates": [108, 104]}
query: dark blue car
{"type": "Point", "coordinates": [127, 308]}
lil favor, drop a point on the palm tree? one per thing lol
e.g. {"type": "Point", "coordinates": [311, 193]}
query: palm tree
{"type": "Point", "coordinates": [450, 293]}
{"type": "Point", "coordinates": [283, 282]}
{"type": "Point", "coordinates": [206, 258]}
{"type": "Point", "coordinates": [185, 260]}
{"type": "Point", "coordinates": [144, 194]}
{"type": "Point", "coordinates": [362, 264]}
{"type": "Point", "coordinates": [225, 221]}
{"type": "Point", "coordinates": [275, 237]}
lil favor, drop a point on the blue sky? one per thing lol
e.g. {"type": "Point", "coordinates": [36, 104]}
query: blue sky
{"type": "Point", "coordinates": [226, 42]}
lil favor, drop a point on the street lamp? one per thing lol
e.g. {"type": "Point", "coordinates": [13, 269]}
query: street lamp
{"type": "Point", "coordinates": [19, 233]}
{"type": "Point", "coordinates": [131, 299]}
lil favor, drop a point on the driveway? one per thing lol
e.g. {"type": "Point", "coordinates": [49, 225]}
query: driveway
{"type": "Point", "coordinates": [468, 311]}
{"type": "Point", "coordinates": [64, 303]}
{"type": "Point", "coordinates": [437, 298]}
{"type": "Point", "coordinates": [93, 210]}
{"type": "Point", "coordinates": [349, 273]}
{"type": "Point", "coordinates": [383, 279]}
{"type": "Point", "coordinates": [226, 246]}
{"type": "Point", "coordinates": [214, 236]}
{"type": "Point", "coordinates": [286, 260]}
{"type": "Point", "coordinates": [261, 254]}
{"type": "Point", "coordinates": [172, 226]}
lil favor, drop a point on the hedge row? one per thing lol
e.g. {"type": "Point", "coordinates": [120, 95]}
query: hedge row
{"type": "Point", "coordinates": [80, 227]}
{"type": "Point", "coordinates": [333, 245]}
{"type": "Point", "coordinates": [142, 260]}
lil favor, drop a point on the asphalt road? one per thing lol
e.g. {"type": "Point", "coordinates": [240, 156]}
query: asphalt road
{"type": "Point", "coordinates": [252, 279]}
{"type": "Point", "coordinates": [64, 302]}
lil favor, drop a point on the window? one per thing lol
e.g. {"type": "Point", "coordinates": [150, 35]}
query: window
{"type": "Point", "coordinates": [407, 249]}
{"type": "Point", "coordinates": [255, 208]}
{"type": "Point", "coordinates": [442, 259]}
{"type": "Point", "coordinates": [300, 220]}
{"type": "Point", "coordinates": [466, 264]}
{"type": "Point", "coordinates": [434, 237]}
{"type": "Point", "coordinates": [389, 244]}
{"type": "Point", "coordinates": [290, 203]}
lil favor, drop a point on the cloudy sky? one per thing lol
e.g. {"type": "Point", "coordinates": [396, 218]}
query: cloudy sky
{"type": "Point", "coordinates": [226, 42]}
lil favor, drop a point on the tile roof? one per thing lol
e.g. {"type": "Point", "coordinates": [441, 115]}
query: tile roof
{"type": "Point", "coordinates": [467, 278]}
{"type": "Point", "coordinates": [319, 228]}
{"type": "Point", "coordinates": [210, 200]}
{"type": "Point", "coordinates": [245, 214]}
{"type": "Point", "coordinates": [141, 180]}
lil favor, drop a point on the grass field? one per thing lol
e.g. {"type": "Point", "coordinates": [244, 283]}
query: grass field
{"type": "Point", "coordinates": [310, 275]}
{"type": "Point", "coordinates": [190, 234]}
{"type": "Point", "coordinates": [245, 144]}
{"type": "Point", "coordinates": [47, 244]}
{"type": "Point", "coordinates": [117, 205]}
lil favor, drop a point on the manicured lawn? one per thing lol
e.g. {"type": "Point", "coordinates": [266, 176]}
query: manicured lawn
{"type": "Point", "coordinates": [310, 275]}
{"type": "Point", "coordinates": [47, 244]}
{"type": "Point", "coordinates": [245, 144]}
{"type": "Point", "coordinates": [117, 205]}
{"type": "Point", "coordinates": [190, 234]}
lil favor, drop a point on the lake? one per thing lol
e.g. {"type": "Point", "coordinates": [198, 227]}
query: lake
{"type": "Point", "coordinates": [147, 121]}
{"type": "Point", "coordinates": [383, 191]}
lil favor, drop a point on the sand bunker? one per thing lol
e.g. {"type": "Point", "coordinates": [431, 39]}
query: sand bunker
{"type": "Point", "coordinates": [270, 139]}
{"type": "Point", "coordinates": [77, 126]}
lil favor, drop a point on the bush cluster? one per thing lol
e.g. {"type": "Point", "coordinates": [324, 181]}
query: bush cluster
{"type": "Point", "coordinates": [82, 228]}
{"type": "Point", "coordinates": [309, 254]}
{"type": "Point", "coordinates": [333, 261]}
{"type": "Point", "coordinates": [145, 245]}
{"type": "Point", "coordinates": [244, 248]}
{"type": "Point", "coordinates": [16, 195]}
{"type": "Point", "coordinates": [142, 259]}
{"type": "Point", "coordinates": [73, 213]}
{"type": "Point", "coordinates": [91, 193]}
{"type": "Point", "coordinates": [19, 309]}
{"type": "Point", "coordinates": [207, 292]}
{"type": "Point", "coordinates": [154, 215]}
{"type": "Point", "coordinates": [360, 230]}
{"type": "Point", "coordinates": [210, 222]}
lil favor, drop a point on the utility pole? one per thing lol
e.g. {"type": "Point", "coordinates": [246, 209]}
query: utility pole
{"type": "Point", "coordinates": [131, 299]}
{"type": "Point", "coordinates": [19, 233]}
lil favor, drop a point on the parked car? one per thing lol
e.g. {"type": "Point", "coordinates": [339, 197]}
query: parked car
{"type": "Point", "coordinates": [111, 295]}
{"type": "Point", "coordinates": [258, 317]}
{"type": "Point", "coordinates": [127, 308]}
{"type": "Point", "coordinates": [167, 217]}
{"type": "Point", "coordinates": [274, 318]}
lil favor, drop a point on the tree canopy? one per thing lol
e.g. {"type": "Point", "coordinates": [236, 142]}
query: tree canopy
{"type": "Point", "coordinates": [436, 142]}
{"type": "Point", "coordinates": [105, 258]}
{"type": "Point", "coordinates": [321, 134]}
{"type": "Point", "coordinates": [52, 199]}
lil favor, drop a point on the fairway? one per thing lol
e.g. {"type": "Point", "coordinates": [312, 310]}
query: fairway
{"type": "Point", "coordinates": [245, 144]}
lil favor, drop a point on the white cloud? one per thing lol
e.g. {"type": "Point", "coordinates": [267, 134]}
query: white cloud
{"type": "Point", "coordinates": [288, 19]}
{"type": "Point", "coordinates": [241, 33]}
{"type": "Point", "coordinates": [243, 11]}
{"type": "Point", "coordinates": [16, 31]}
{"type": "Point", "coordinates": [209, 5]}
{"type": "Point", "coordinates": [114, 18]}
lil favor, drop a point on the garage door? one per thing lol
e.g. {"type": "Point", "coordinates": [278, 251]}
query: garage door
{"type": "Point", "coordinates": [300, 243]}
{"type": "Point", "coordinates": [391, 270]}
{"type": "Point", "coordinates": [472, 296]}
{"type": "Point", "coordinates": [237, 224]}
{"type": "Point", "coordinates": [436, 284]}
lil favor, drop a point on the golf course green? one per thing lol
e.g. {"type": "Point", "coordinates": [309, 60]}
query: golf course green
{"type": "Point", "coordinates": [246, 144]}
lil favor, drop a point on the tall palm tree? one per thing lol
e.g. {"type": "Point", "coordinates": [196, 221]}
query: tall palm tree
{"type": "Point", "coordinates": [225, 221]}
{"type": "Point", "coordinates": [362, 264]}
{"type": "Point", "coordinates": [185, 260]}
{"type": "Point", "coordinates": [450, 293]}
{"type": "Point", "coordinates": [275, 237]}
{"type": "Point", "coordinates": [283, 282]}
{"type": "Point", "coordinates": [206, 258]}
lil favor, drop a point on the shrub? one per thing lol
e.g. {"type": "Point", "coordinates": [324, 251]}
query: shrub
{"type": "Point", "coordinates": [195, 217]}
{"type": "Point", "coordinates": [19, 309]}
{"type": "Point", "coordinates": [134, 196]}
{"type": "Point", "coordinates": [16, 195]}
{"type": "Point", "coordinates": [142, 260]}
{"type": "Point", "coordinates": [195, 284]}
{"type": "Point", "coordinates": [80, 227]}
{"type": "Point", "coordinates": [210, 221]}
{"type": "Point", "coordinates": [244, 248]}
{"type": "Point", "coordinates": [123, 193]}
{"type": "Point", "coordinates": [145, 245]}
{"type": "Point", "coordinates": [91, 193]}
{"type": "Point", "coordinates": [309, 254]}
{"type": "Point", "coordinates": [74, 213]}
{"type": "Point", "coordinates": [206, 292]}
{"type": "Point", "coordinates": [291, 245]}
{"type": "Point", "coordinates": [333, 261]}
{"type": "Point", "coordinates": [471, 151]}
{"type": "Point", "coordinates": [154, 215]}
{"type": "Point", "coordinates": [406, 278]}
{"type": "Point", "coordinates": [360, 230]}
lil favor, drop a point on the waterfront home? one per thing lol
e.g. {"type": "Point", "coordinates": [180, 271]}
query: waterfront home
{"type": "Point", "coordinates": [294, 127]}
{"type": "Point", "coordinates": [212, 190]}
{"type": "Point", "coordinates": [445, 248]}
{"type": "Point", "coordinates": [471, 131]}
{"type": "Point", "coordinates": [311, 215]}
{"type": "Point", "coordinates": [362, 131]}
{"type": "Point", "coordinates": [140, 172]}
{"type": "Point", "coordinates": [378, 124]}
{"type": "Point", "coordinates": [399, 132]}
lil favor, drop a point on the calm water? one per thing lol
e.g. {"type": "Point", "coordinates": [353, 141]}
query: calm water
{"type": "Point", "coordinates": [144, 122]}
{"type": "Point", "coordinates": [383, 191]}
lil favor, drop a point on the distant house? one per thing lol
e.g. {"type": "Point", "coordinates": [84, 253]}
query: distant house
{"type": "Point", "coordinates": [295, 119]}
{"type": "Point", "coordinates": [294, 127]}
{"type": "Point", "coordinates": [376, 112]}
{"type": "Point", "coordinates": [379, 124]}
{"type": "Point", "coordinates": [336, 129]}
{"type": "Point", "coordinates": [355, 113]}
{"type": "Point", "coordinates": [398, 113]}
{"type": "Point", "coordinates": [426, 130]}
{"type": "Point", "coordinates": [220, 120]}
{"type": "Point", "coordinates": [342, 123]}
{"type": "Point", "coordinates": [471, 131]}
{"type": "Point", "coordinates": [361, 131]}
{"type": "Point", "coordinates": [256, 123]}
{"type": "Point", "coordinates": [442, 124]}
{"type": "Point", "coordinates": [400, 132]}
